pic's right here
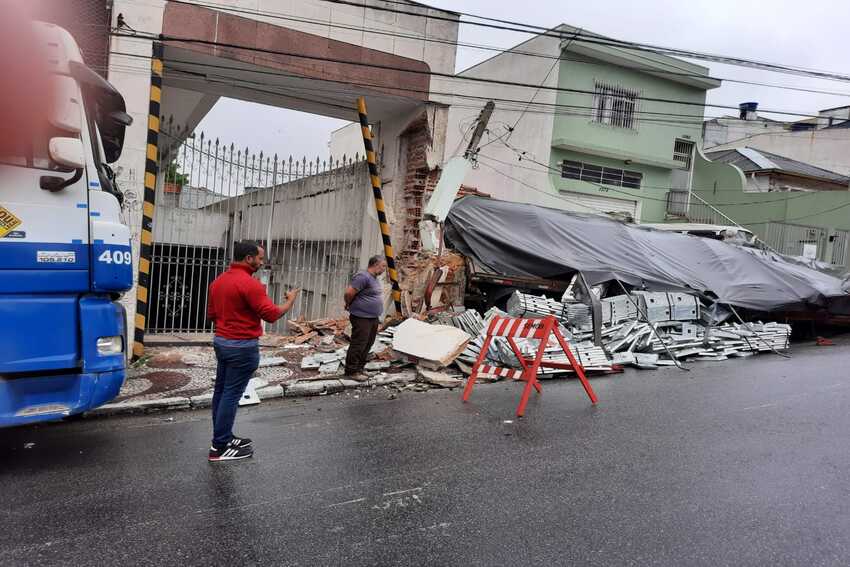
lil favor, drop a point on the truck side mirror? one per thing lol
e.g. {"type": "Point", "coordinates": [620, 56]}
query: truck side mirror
{"type": "Point", "coordinates": [68, 152]}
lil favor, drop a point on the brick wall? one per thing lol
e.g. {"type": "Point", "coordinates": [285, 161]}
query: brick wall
{"type": "Point", "coordinates": [419, 182]}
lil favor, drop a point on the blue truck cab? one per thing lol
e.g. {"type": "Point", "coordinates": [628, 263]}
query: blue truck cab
{"type": "Point", "coordinates": [65, 255]}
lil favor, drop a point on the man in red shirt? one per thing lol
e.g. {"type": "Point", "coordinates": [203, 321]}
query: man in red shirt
{"type": "Point", "coordinates": [237, 303]}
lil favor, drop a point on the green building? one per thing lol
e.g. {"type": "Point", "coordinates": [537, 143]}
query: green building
{"type": "Point", "coordinates": [629, 129]}
{"type": "Point", "coordinates": [607, 129]}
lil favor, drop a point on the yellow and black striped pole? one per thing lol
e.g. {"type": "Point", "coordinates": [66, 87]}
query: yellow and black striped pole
{"type": "Point", "coordinates": [375, 177]}
{"type": "Point", "coordinates": [151, 170]}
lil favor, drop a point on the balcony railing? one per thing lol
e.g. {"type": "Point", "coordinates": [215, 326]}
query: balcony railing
{"type": "Point", "coordinates": [692, 207]}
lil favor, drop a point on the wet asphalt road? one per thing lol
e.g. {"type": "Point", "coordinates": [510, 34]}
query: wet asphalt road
{"type": "Point", "coordinates": [735, 463]}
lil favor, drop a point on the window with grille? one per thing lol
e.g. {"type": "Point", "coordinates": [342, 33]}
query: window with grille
{"type": "Point", "coordinates": [615, 105]}
{"type": "Point", "coordinates": [603, 175]}
{"type": "Point", "coordinates": [682, 151]}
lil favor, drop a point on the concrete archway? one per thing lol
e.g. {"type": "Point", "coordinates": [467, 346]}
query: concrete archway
{"type": "Point", "coordinates": [311, 56]}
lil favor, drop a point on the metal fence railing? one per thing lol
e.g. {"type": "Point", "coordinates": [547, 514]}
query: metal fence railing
{"type": "Point", "coordinates": [841, 248]}
{"type": "Point", "coordinates": [795, 239]}
{"type": "Point", "coordinates": [308, 214]}
{"type": "Point", "coordinates": [677, 203]}
{"type": "Point", "coordinates": [695, 209]}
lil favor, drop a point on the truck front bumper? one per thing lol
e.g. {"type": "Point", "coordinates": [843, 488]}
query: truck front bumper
{"type": "Point", "coordinates": [38, 398]}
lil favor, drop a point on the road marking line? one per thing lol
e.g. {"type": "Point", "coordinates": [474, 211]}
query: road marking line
{"type": "Point", "coordinates": [759, 407]}
{"type": "Point", "coordinates": [346, 502]}
{"type": "Point", "coordinates": [417, 489]}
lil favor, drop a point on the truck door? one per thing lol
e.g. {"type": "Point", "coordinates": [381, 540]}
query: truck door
{"type": "Point", "coordinates": [44, 237]}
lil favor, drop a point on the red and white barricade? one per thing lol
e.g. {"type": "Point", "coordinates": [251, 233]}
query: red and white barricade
{"type": "Point", "coordinates": [514, 328]}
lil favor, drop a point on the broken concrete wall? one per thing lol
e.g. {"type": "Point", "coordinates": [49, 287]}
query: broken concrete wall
{"type": "Point", "coordinates": [446, 275]}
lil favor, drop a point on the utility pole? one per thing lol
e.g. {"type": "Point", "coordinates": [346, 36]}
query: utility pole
{"type": "Point", "coordinates": [383, 223]}
{"type": "Point", "coordinates": [483, 118]}
{"type": "Point", "coordinates": [454, 173]}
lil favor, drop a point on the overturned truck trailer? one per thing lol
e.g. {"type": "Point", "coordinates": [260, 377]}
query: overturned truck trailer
{"type": "Point", "coordinates": [534, 242]}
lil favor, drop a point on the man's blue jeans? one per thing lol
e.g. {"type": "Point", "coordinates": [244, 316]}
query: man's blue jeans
{"type": "Point", "coordinates": [236, 365]}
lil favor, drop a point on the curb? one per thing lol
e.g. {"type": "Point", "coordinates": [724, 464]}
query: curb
{"type": "Point", "coordinates": [142, 406]}
{"type": "Point", "coordinates": [296, 390]}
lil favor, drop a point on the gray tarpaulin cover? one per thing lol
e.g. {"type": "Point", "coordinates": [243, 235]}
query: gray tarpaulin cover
{"type": "Point", "coordinates": [527, 240]}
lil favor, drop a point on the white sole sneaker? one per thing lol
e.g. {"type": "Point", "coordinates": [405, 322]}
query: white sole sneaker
{"type": "Point", "coordinates": [229, 453]}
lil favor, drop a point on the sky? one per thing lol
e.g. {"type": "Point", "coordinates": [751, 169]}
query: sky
{"type": "Point", "coordinates": [810, 34]}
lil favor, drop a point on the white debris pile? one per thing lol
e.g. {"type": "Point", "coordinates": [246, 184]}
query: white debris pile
{"type": "Point", "coordinates": [644, 330]}
{"type": "Point", "coordinates": [650, 329]}
{"type": "Point", "coordinates": [327, 363]}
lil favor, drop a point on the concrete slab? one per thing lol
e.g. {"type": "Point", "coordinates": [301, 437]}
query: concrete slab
{"type": "Point", "coordinates": [438, 344]}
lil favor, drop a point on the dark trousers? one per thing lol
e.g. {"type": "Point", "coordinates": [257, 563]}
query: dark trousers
{"type": "Point", "coordinates": [363, 333]}
{"type": "Point", "coordinates": [235, 367]}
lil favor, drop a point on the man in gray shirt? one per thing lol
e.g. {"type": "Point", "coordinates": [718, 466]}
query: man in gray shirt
{"type": "Point", "coordinates": [364, 300]}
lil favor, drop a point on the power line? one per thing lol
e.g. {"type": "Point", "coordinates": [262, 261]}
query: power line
{"type": "Point", "coordinates": [631, 195]}
{"type": "Point", "coordinates": [600, 40]}
{"type": "Point", "coordinates": [550, 195]}
{"type": "Point", "coordinates": [280, 16]}
{"type": "Point", "coordinates": [543, 82]}
{"type": "Point", "coordinates": [784, 220]}
{"type": "Point", "coordinates": [607, 213]}
{"type": "Point", "coordinates": [524, 155]}
{"type": "Point", "coordinates": [762, 221]}
{"type": "Point", "coordinates": [165, 38]}
{"type": "Point", "coordinates": [586, 110]}
{"type": "Point", "coordinates": [698, 118]}
{"type": "Point", "coordinates": [606, 189]}
{"type": "Point", "coordinates": [611, 189]}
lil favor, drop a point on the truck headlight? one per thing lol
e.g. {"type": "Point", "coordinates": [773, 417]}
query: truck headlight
{"type": "Point", "coordinates": [110, 345]}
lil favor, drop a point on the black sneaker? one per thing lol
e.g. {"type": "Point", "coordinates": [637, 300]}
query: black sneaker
{"type": "Point", "coordinates": [230, 453]}
{"type": "Point", "coordinates": [240, 441]}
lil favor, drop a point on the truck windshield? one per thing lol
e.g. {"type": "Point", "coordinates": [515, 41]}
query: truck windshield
{"type": "Point", "coordinates": [28, 146]}
{"type": "Point", "coordinates": [95, 109]}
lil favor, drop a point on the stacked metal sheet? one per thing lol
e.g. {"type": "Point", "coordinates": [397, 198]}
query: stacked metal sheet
{"type": "Point", "coordinates": [684, 306]}
{"type": "Point", "coordinates": [531, 306]}
{"type": "Point", "coordinates": [469, 321]}
{"type": "Point", "coordinates": [473, 347]}
{"type": "Point", "coordinates": [493, 312]}
{"type": "Point", "coordinates": [663, 306]}
{"type": "Point", "coordinates": [621, 307]}
{"type": "Point", "coordinates": [682, 340]}
{"type": "Point", "coordinates": [654, 306]}
{"type": "Point", "coordinates": [501, 354]}
{"type": "Point", "coordinates": [650, 329]}
{"type": "Point", "coordinates": [761, 337]}
{"type": "Point", "coordinates": [578, 316]}
{"type": "Point", "coordinates": [590, 356]}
